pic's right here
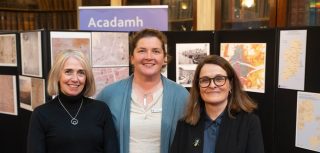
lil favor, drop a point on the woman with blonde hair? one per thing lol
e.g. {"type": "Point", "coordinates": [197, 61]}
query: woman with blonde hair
{"type": "Point", "coordinates": [72, 122]}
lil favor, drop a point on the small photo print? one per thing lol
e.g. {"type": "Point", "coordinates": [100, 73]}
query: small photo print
{"type": "Point", "coordinates": [31, 57]}
{"type": "Point", "coordinates": [8, 94]}
{"type": "Point", "coordinates": [8, 50]}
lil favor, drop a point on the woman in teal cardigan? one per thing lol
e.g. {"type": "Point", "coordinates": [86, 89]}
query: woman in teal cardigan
{"type": "Point", "coordinates": [146, 106]}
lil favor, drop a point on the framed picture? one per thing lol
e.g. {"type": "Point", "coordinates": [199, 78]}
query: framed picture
{"type": "Point", "coordinates": [307, 120]}
{"type": "Point", "coordinates": [32, 92]}
{"type": "Point", "coordinates": [8, 50]}
{"type": "Point", "coordinates": [25, 92]}
{"type": "Point", "coordinates": [107, 75]}
{"type": "Point", "coordinates": [31, 57]}
{"type": "Point", "coordinates": [110, 49]}
{"type": "Point", "coordinates": [249, 61]}
{"type": "Point", "coordinates": [188, 55]}
{"type": "Point", "coordinates": [292, 59]}
{"type": "Point", "coordinates": [37, 92]}
{"type": "Point", "coordinates": [8, 94]}
{"type": "Point", "coordinates": [60, 41]}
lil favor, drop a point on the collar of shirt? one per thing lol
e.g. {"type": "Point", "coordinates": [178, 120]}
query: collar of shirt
{"type": "Point", "coordinates": [209, 122]}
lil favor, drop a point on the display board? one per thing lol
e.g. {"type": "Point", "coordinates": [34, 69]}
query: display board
{"type": "Point", "coordinates": [279, 109]}
{"type": "Point", "coordinates": [265, 100]}
{"type": "Point", "coordinates": [32, 68]}
{"type": "Point", "coordinates": [51, 42]}
{"type": "Point", "coordinates": [294, 134]}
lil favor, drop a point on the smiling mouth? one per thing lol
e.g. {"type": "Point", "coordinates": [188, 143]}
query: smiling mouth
{"type": "Point", "coordinates": [213, 92]}
{"type": "Point", "coordinates": [73, 86]}
{"type": "Point", "coordinates": [149, 64]}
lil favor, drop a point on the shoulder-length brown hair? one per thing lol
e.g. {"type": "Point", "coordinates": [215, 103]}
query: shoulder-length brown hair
{"type": "Point", "coordinates": [57, 67]}
{"type": "Point", "coordinates": [237, 100]}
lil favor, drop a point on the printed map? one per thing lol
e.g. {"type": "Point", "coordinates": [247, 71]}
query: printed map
{"type": "Point", "coordinates": [308, 121]}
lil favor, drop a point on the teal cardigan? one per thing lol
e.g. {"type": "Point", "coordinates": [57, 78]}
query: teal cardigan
{"type": "Point", "coordinates": [118, 98]}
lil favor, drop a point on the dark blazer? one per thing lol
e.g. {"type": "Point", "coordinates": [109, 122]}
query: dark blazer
{"type": "Point", "coordinates": [236, 135]}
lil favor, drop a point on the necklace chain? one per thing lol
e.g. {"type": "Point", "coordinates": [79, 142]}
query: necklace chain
{"type": "Point", "coordinates": [74, 119]}
{"type": "Point", "coordinates": [142, 93]}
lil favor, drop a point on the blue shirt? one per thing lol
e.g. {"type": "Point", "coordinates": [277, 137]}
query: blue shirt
{"type": "Point", "coordinates": [211, 131]}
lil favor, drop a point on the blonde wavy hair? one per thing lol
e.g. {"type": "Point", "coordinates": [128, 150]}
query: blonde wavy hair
{"type": "Point", "coordinates": [57, 67]}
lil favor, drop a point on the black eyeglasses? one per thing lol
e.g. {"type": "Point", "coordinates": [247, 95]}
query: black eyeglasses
{"type": "Point", "coordinates": [219, 81]}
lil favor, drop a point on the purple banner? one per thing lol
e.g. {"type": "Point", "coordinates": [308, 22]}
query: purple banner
{"type": "Point", "coordinates": [123, 18]}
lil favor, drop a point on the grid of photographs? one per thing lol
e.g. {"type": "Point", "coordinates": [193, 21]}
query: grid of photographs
{"type": "Point", "coordinates": [110, 57]}
{"type": "Point", "coordinates": [31, 82]}
{"type": "Point", "coordinates": [188, 55]}
{"type": "Point", "coordinates": [108, 53]}
{"type": "Point", "coordinates": [8, 87]}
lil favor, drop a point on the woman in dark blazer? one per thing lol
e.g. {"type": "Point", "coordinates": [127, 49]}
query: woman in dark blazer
{"type": "Point", "coordinates": [219, 116]}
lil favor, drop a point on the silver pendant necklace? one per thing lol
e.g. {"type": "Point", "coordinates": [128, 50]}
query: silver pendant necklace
{"type": "Point", "coordinates": [74, 120]}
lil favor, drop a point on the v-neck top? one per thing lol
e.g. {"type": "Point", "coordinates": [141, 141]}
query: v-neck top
{"type": "Point", "coordinates": [145, 124]}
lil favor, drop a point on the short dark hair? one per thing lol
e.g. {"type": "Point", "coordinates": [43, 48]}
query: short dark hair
{"type": "Point", "coordinates": [150, 33]}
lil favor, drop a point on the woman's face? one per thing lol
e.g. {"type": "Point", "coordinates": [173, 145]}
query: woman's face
{"type": "Point", "coordinates": [214, 94]}
{"type": "Point", "coordinates": [148, 57]}
{"type": "Point", "coordinates": [72, 77]}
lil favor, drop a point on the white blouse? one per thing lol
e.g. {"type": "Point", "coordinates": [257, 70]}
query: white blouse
{"type": "Point", "coordinates": [145, 123]}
